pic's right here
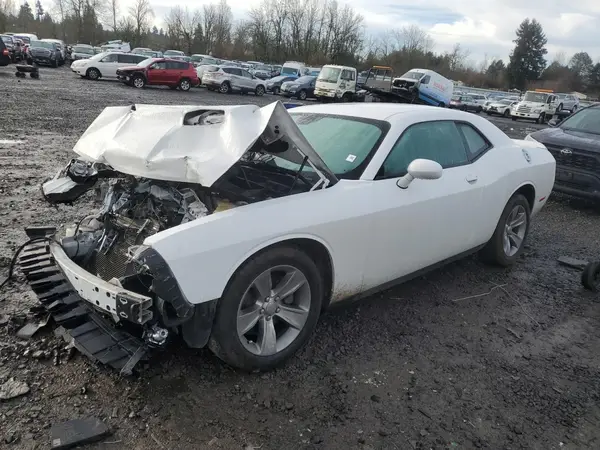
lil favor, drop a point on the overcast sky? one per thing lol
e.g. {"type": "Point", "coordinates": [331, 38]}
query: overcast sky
{"type": "Point", "coordinates": [484, 27]}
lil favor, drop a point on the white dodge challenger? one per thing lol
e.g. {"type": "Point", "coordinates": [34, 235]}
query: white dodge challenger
{"type": "Point", "coordinates": [236, 226]}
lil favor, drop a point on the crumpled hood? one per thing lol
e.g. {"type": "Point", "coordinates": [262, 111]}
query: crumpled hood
{"type": "Point", "coordinates": [154, 141]}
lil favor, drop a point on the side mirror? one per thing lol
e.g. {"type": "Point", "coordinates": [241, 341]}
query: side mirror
{"type": "Point", "coordinates": [422, 169]}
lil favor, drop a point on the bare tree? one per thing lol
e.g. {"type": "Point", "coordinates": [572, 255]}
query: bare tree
{"type": "Point", "coordinates": [114, 13]}
{"type": "Point", "coordinates": [182, 24]}
{"type": "Point", "coordinates": [141, 12]}
{"type": "Point", "coordinates": [457, 57]}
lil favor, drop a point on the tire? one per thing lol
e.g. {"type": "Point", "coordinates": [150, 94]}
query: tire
{"type": "Point", "coordinates": [541, 119]}
{"type": "Point", "coordinates": [138, 82]}
{"type": "Point", "coordinates": [590, 277]}
{"type": "Point", "coordinates": [479, 110]}
{"type": "Point", "coordinates": [345, 98]}
{"type": "Point", "coordinates": [302, 95]}
{"type": "Point", "coordinates": [259, 91]}
{"type": "Point", "coordinates": [55, 63]}
{"type": "Point", "coordinates": [233, 346]}
{"type": "Point", "coordinates": [185, 84]}
{"type": "Point", "coordinates": [560, 107]}
{"type": "Point", "coordinates": [225, 88]}
{"type": "Point", "coordinates": [506, 113]}
{"type": "Point", "coordinates": [496, 251]}
{"type": "Point", "coordinates": [574, 109]}
{"type": "Point", "coordinates": [276, 90]}
{"type": "Point", "coordinates": [442, 105]}
{"type": "Point", "coordinates": [93, 74]}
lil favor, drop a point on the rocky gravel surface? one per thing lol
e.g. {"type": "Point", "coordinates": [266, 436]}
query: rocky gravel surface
{"type": "Point", "coordinates": [466, 357]}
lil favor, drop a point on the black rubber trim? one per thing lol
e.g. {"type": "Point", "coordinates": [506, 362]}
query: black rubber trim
{"type": "Point", "coordinates": [164, 283]}
{"type": "Point", "coordinates": [196, 331]}
{"type": "Point", "coordinates": [88, 331]}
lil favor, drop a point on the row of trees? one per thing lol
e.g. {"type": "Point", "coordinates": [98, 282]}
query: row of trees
{"type": "Point", "coordinates": [313, 31]}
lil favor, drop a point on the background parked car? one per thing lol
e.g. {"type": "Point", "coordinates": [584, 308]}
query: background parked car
{"type": "Point", "coordinates": [81, 51]}
{"type": "Point", "coordinates": [105, 65]}
{"type": "Point", "coordinates": [160, 72]}
{"type": "Point", "coordinates": [227, 79]}
{"type": "Point", "coordinates": [262, 71]}
{"type": "Point", "coordinates": [500, 107]}
{"type": "Point", "coordinates": [140, 50]}
{"type": "Point", "coordinates": [62, 47]}
{"type": "Point", "coordinates": [276, 71]}
{"type": "Point", "coordinates": [13, 46]}
{"type": "Point", "coordinates": [300, 88]}
{"type": "Point", "coordinates": [274, 84]}
{"type": "Point", "coordinates": [5, 58]}
{"type": "Point", "coordinates": [170, 53]}
{"type": "Point", "coordinates": [202, 69]}
{"type": "Point", "coordinates": [47, 53]}
{"type": "Point", "coordinates": [465, 102]}
{"type": "Point", "coordinates": [567, 101]}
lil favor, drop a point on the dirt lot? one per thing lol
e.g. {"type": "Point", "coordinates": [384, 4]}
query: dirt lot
{"type": "Point", "coordinates": [427, 365]}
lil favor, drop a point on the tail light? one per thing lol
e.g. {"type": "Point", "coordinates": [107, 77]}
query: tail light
{"type": "Point", "coordinates": [5, 52]}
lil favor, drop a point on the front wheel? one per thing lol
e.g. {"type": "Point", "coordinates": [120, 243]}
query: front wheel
{"type": "Point", "coordinates": [260, 90]}
{"type": "Point", "coordinates": [506, 113]}
{"type": "Point", "coordinates": [139, 82]}
{"type": "Point", "coordinates": [93, 74]}
{"type": "Point", "coordinates": [302, 95]}
{"type": "Point", "coordinates": [574, 109]}
{"type": "Point", "coordinates": [541, 119]}
{"type": "Point", "coordinates": [269, 309]}
{"type": "Point", "coordinates": [507, 242]}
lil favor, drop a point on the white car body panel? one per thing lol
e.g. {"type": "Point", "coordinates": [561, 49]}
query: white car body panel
{"type": "Point", "coordinates": [373, 231]}
{"type": "Point", "coordinates": [153, 142]}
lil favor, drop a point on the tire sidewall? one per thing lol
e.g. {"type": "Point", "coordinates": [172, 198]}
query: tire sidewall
{"type": "Point", "coordinates": [225, 342]}
{"type": "Point", "coordinates": [93, 71]}
{"type": "Point", "coordinates": [495, 247]}
{"type": "Point", "coordinates": [182, 83]}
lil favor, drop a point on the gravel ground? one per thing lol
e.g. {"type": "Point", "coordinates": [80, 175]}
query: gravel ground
{"type": "Point", "coordinates": [446, 361]}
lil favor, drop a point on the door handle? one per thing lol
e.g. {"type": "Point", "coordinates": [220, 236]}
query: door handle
{"type": "Point", "coordinates": [471, 178]}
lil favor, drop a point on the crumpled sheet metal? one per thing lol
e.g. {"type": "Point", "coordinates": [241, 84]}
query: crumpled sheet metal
{"type": "Point", "coordinates": [151, 141]}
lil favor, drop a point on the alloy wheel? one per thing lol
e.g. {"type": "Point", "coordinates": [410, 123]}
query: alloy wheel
{"type": "Point", "coordinates": [273, 310]}
{"type": "Point", "coordinates": [138, 83]}
{"type": "Point", "coordinates": [184, 85]}
{"type": "Point", "coordinates": [515, 228]}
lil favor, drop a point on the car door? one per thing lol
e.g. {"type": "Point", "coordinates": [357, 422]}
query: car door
{"type": "Point", "coordinates": [431, 220]}
{"type": "Point", "coordinates": [108, 65]}
{"type": "Point", "coordinates": [237, 81]}
{"type": "Point", "coordinates": [247, 80]}
{"type": "Point", "coordinates": [173, 72]}
{"type": "Point", "coordinates": [157, 73]}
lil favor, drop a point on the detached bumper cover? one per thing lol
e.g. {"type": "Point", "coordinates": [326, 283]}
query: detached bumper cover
{"type": "Point", "coordinates": [92, 334]}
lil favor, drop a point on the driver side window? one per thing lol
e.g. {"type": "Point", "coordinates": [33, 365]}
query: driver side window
{"type": "Point", "coordinates": [113, 57]}
{"type": "Point", "coordinates": [439, 141]}
{"type": "Point", "coordinates": [162, 65]}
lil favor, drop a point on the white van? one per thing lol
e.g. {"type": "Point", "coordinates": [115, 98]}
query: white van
{"type": "Point", "coordinates": [336, 83]}
{"type": "Point", "coordinates": [294, 69]}
{"type": "Point", "coordinates": [432, 88]}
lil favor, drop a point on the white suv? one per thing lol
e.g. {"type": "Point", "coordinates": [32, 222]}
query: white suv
{"type": "Point", "coordinates": [567, 101]}
{"type": "Point", "coordinates": [227, 79]}
{"type": "Point", "coordinates": [105, 65]}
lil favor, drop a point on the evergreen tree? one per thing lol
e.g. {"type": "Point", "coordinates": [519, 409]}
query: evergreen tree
{"type": "Point", "coordinates": [527, 60]}
{"type": "Point", "coordinates": [25, 18]}
{"type": "Point", "coordinates": [39, 10]}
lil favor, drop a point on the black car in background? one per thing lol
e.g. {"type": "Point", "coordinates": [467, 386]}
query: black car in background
{"type": "Point", "coordinates": [274, 84]}
{"type": "Point", "coordinates": [575, 144]}
{"type": "Point", "coordinates": [13, 46]}
{"type": "Point", "coordinates": [44, 52]}
{"type": "Point", "coordinates": [300, 88]}
{"type": "Point", "coordinates": [5, 58]}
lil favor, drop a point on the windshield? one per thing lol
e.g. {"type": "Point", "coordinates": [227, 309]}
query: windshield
{"type": "Point", "coordinates": [456, 98]}
{"type": "Point", "coordinates": [25, 39]}
{"type": "Point", "coordinates": [289, 71]}
{"type": "Point", "coordinates": [84, 50]}
{"type": "Point", "coordinates": [413, 75]}
{"type": "Point", "coordinates": [146, 62]}
{"type": "Point", "coordinates": [262, 67]}
{"type": "Point", "coordinates": [304, 79]}
{"type": "Point", "coordinates": [329, 74]}
{"type": "Point", "coordinates": [197, 58]}
{"type": "Point", "coordinates": [344, 143]}
{"type": "Point", "coordinates": [586, 120]}
{"type": "Point", "coordinates": [42, 44]}
{"type": "Point", "coordinates": [536, 97]}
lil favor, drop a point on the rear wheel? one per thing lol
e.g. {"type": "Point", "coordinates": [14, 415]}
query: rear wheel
{"type": "Point", "coordinates": [574, 108]}
{"type": "Point", "coordinates": [225, 88]}
{"type": "Point", "coordinates": [302, 95]}
{"type": "Point", "coordinates": [185, 84]}
{"type": "Point", "coordinates": [260, 90]}
{"type": "Point", "coordinates": [269, 310]}
{"type": "Point", "coordinates": [276, 90]}
{"type": "Point", "coordinates": [506, 113]}
{"type": "Point", "coordinates": [507, 242]}
{"type": "Point", "coordinates": [139, 82]}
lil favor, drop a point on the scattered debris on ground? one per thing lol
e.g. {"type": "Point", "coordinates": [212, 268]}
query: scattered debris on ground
{"type": "Point", "coordinates": [77, 432]}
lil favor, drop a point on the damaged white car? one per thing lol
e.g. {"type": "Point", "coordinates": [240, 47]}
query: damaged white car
{"type": "Point", "coordinates": [236, 226]}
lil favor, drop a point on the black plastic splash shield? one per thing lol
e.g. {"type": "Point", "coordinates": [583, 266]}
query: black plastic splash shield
{"type": "Point", "coordinates": [88, 331]}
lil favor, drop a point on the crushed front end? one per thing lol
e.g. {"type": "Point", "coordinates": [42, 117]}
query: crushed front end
{"type": "Point", "coordinates": [115, 297]}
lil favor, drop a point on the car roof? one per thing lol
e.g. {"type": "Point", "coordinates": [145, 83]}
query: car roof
{"type": "Point", "coordinates": [377, 111]}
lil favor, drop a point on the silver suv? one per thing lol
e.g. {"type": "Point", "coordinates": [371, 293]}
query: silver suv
{"type": "Point", "coordinates": [567, 101]}
{"type": "Point", "coordinates": [228, 78]}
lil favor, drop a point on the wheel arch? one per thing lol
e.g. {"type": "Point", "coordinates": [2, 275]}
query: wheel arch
{"type": "Point", "coordinates": [314, 247]}
{"type": "Point", "coordinates": [87, 71]}
{"type": "Point", "coordinates": [528, 191]}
